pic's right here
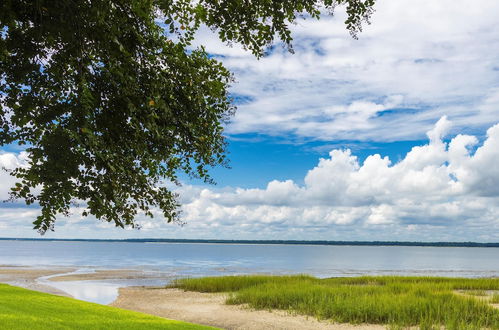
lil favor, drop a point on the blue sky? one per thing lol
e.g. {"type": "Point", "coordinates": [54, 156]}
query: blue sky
{"type": "Point", "coordinates": [390, 137]}
{"type": "Point", "coordinates": [256, 160]}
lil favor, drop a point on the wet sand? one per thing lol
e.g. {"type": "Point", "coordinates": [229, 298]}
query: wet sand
{"type": "Point", "coordinates": [26, 277]}
{"type": "Point", "coordinates": [210, 309]}
{"type": "Point", "coordinates": [115, 274]}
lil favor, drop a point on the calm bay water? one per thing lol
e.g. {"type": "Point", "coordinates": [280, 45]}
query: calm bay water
{"type": "Point", "coordinates": [190, 260]}
{"type": "Point", "coordinates": [186, 259]}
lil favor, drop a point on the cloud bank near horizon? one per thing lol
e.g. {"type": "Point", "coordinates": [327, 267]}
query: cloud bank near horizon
{"type": "Point", "coordinates": [443, 190]}
{"type": "Point", "coordinates": [446, 185]}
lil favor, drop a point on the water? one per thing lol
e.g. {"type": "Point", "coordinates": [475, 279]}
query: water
{"type": "Point", "coordinates": [102, 292]}
{"type": "Point", "coordinates": [187, 259]}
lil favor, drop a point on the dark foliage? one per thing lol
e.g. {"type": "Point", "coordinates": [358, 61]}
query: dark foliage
{"type": "Point", "coordinates": [111, 101]}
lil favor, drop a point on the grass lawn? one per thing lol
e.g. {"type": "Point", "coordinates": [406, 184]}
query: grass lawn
{"type": "Point", "coordinates": [26, 309]}
{"type": "Point", "coordinates": [427, 302]}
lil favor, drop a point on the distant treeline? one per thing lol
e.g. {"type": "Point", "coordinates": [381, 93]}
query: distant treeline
{"type": "Point", "coordinates": [276, 242]}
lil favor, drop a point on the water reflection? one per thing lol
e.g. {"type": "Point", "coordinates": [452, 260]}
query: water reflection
{"type": "Point", "coordinates": [102, 291]}
{"type": "Point", "coordinates": [92, 291]}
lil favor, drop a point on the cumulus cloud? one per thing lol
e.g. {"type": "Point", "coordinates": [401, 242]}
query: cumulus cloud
{"type": "Point", "coordinates": [417, 61]}
{"type": "Point", "coordinates": [8, 162]}
{"type": "Point", "coordinates": [442, 190]}
{"type": "Point", "coordinates": [446, 184]}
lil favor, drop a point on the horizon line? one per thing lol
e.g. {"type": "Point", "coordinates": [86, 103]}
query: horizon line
{"type": "Point", "coordinates": [267, 241]}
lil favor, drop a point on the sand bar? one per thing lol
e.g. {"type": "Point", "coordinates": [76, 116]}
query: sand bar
{"type": "Point", "coordinates": [115, 274]}
{"type": "Point", "coordinates": [26, 277]}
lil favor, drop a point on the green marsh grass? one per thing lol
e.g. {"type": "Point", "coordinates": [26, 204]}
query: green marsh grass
{"type": "Point", "coordinates": [426, 302]}
{"type": "Point", "coordinates": [478, 293]}
{"type": "Point", "coordinates": [26, 309]}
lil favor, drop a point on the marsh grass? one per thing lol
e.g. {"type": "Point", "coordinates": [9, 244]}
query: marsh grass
{"type": "Point", "coordinates": [494, 299]}
{"type": "Point", "coordinates": [235, 283]}
{"type": "Point", "coordinates": [426, 302]}
{"type": "Point", "coordinates": [478, 293]}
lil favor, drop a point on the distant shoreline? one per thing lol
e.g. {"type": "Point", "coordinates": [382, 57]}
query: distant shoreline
{"type": "Point", "coordinates": [265, 242]}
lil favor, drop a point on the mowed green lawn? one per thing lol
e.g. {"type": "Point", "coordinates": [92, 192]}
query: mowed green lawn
{"type": "Point", "coordinates": [26, 309]}
{"type": "Point", "coordinates": [425, 302]}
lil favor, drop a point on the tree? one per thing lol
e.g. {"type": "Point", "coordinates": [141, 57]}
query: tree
{"type": "Point", "coordinates": [111, 100]}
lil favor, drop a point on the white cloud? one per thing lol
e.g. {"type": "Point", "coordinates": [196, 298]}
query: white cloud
{"type": "Point", "coordinates": [419, 60]}
{"type": "Point", "coordinates": [438, 191]}
{"type": "Point", "coordinates": [436, 184]}
{"type": "Point", "coordinates": [8, 162]}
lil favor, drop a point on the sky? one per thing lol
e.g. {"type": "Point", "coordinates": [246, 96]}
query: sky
{"type": "Point", "coordinates": [394, 136]}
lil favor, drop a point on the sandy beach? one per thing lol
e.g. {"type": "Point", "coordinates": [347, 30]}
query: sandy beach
{"type": "Point", "coordinates": [201, 308]}
{"type": "Point", "coordinates": [210, 309]}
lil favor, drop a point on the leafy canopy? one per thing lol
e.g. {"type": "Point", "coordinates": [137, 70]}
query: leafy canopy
{"type": "Point", "coordinates": [111, 101]}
